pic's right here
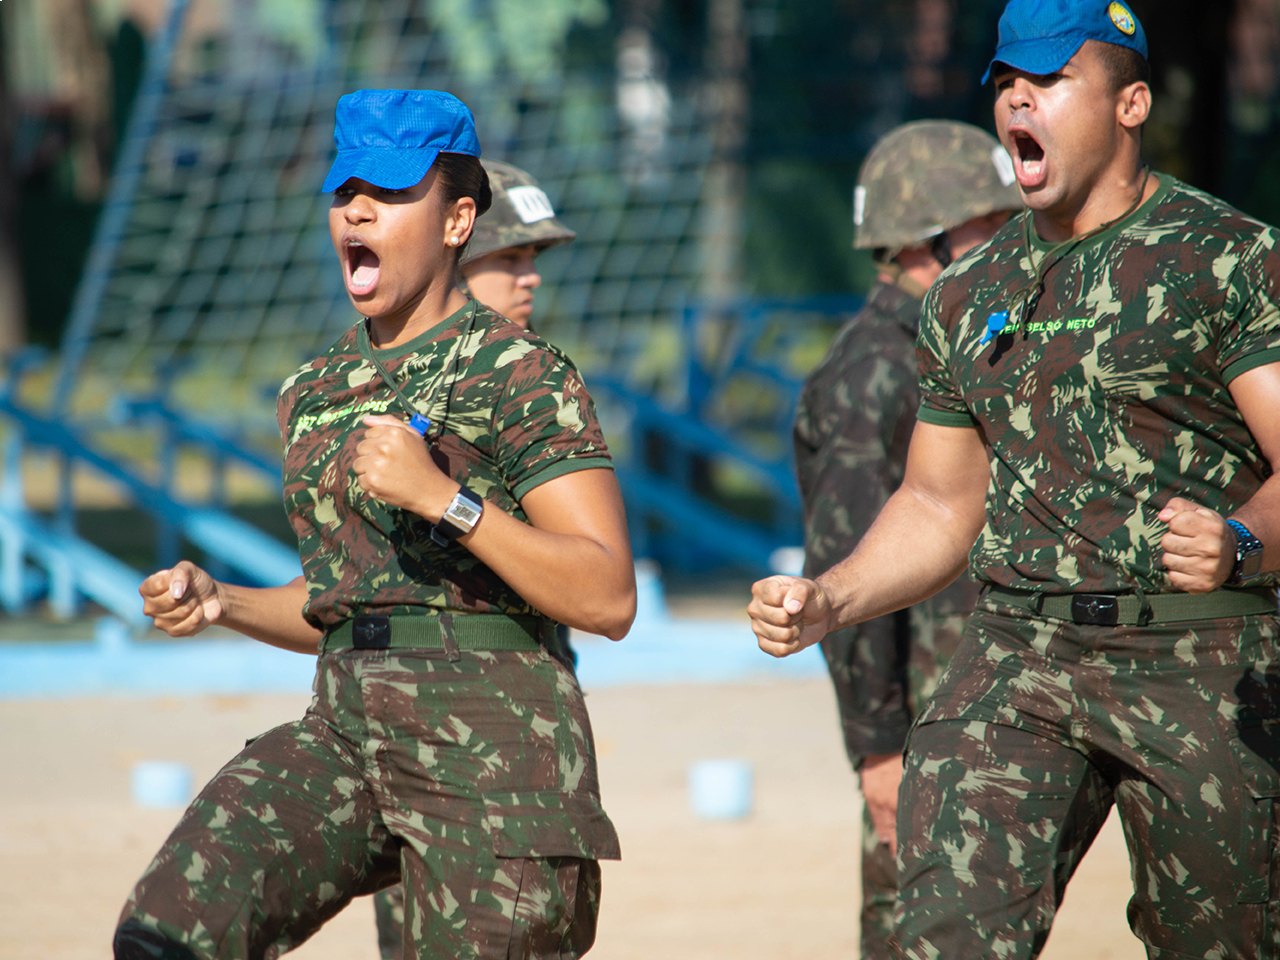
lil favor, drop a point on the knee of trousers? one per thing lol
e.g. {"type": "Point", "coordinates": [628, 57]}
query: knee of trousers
{"type": "Point", "coordinates": [134, 940]}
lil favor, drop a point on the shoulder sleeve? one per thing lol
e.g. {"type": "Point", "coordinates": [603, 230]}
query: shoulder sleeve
{"type": "Point", "coordinates": [546, 422]}
{"type": "Point", "coordinates": [941, 400]}
{"type": "Point", "coordinates": [1250, 336]}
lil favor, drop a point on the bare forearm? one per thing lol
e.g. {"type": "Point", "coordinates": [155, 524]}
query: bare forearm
{"type": "Point", "coordinates": [1257, 394]}
{"type": "Point", "coordinates": [1262, 516]}
{"type": "Point", "coordinates": [272, 615]}
{"type": "Point", "coordinates": [917, 546]}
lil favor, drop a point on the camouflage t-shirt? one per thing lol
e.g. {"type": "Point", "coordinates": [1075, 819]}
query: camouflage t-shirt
{"type": "Point", "coordinates": [1109, 395]}
{"type": "Point", "coordinates": [508, 412]}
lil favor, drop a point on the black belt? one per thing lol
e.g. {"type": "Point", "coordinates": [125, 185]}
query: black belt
{"type": "Point", "coordinates": [1130, 609]}
{"type": "Point", "coordinates": [469, 631]}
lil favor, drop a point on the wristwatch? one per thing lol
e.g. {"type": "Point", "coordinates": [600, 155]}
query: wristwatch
{"type": "Point", "coordinates": [459, 519]}
{"type": "Point", "coordinates": [1248, 554]}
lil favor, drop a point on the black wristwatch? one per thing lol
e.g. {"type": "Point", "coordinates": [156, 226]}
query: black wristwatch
{"type": "Point", "coordinates": [459, 519]}
{"type": "Point", "coordinates": [1248, 554]}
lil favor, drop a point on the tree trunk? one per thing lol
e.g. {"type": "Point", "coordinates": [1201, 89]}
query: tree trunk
{"type": "Point", "coordinates": [725, 183]}
{"type": "Point", "coordinates": [13, 321]}
{"type": "Point", "coordinates": [84, 82]}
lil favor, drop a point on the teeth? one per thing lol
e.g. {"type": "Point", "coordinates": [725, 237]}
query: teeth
{"type": "Point", "coordinates": [364, 269]}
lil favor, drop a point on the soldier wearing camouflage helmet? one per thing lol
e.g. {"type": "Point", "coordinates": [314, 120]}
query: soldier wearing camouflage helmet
{"type": "Point", "coordinates": [453, 498]}
{"type": "Point", "coordinates": [1098, 435]}
{"type": "Point", "coordinates": [498, 265]}
{"type": "Point", "coordinates": [927, 192]}
{"type": "Point", "coordinates": [923, 180]}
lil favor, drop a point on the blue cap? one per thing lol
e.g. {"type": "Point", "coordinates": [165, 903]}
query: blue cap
{"type": "Point", "coordinates": [390, 138]}
{"type": "Point", "coordinates": [1040, 36]}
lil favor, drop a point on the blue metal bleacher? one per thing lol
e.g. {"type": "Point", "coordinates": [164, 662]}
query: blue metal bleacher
{"type": "Point", "coordinates": [742, 363]}
{"type": "Point", "coordinates": [67, 567]}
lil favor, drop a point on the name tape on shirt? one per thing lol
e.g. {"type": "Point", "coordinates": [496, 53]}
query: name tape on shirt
{"type": "Point", "coordinates": [531, 204]}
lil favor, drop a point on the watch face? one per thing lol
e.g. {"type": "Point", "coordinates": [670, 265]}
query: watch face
{"type": "Point", "coordinates": [1249, 565]}
{"type": "Point", "coordinates": [464, 513]}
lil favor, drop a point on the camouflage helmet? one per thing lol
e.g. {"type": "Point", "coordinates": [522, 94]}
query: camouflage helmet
{"type": "Point", "coordinates": [926, 177]}
{"type": "Point", "coordinates": [521, 214]}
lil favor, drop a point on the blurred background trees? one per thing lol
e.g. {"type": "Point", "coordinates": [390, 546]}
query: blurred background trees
{"type": "Point", "coordinates": [704, 150]}
{"type": "Point", "coordinates": [798, 91]}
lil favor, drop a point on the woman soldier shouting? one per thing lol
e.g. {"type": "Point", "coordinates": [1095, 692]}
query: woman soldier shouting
{"type": "Point", "coordinates": [453, 497]}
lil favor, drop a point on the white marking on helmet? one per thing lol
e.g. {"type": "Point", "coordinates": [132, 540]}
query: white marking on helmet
{"type": "Point", "coordinates": [1003, 164]}
{"type": "Point", "coordinates": [531, 204]}
{"type": "Point", "coordinates": [859, 204]}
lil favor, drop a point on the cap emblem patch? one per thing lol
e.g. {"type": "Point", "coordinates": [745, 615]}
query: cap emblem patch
{"type": "Point", "coordinates": [1122, 18]}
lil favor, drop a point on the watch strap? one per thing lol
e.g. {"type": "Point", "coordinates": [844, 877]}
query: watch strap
{"type": "Point", "coordinates": [466, 505]}
{"type": "Point", "coordinates": [1248, 553]}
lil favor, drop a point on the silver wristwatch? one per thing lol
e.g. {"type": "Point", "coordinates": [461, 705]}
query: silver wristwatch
{"type": "Point", "coordinates": [459, 519]}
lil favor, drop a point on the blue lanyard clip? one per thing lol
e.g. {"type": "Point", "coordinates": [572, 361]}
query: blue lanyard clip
{"type": "Point", "coordinates": [995, 323]}
{"type": "Point", "coordinates": [421, 424]}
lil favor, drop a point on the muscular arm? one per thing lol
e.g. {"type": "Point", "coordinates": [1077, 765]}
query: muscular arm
{"type": "Point", "coordinates": [852, 430]}
{"type": "Point", "coordinates": [917, 545]}
{"type": "Point", "coordinates": [573, 559]}
{"type": "Point", "coordinates": [1257, 394]}
{"type": "Point", "coordinates": [1199, 547]}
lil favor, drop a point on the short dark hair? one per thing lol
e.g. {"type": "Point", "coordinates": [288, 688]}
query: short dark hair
{"type": "Point", "coordinates": [1123, 65]}
{"type": "Point", "coordinates": [462, 175]}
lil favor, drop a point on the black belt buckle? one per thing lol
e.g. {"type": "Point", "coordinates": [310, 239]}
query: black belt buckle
{"type": "Point", "coordinates": [1096, 609]}
{"type": "Point", "coordinates": [371, 633]}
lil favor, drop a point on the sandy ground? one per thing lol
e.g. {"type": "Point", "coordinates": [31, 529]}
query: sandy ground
{"type": "Point", "coordinates": [779, 884]}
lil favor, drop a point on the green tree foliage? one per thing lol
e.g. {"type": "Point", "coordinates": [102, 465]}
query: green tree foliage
{"type": "Point", "coordinates": [515, 39]}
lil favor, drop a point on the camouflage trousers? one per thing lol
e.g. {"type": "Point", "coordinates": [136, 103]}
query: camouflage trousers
{"type": "Point", "coordinates": [1038, 728]}
{"type": "Point", "coordinates": [930, 632]}
{"type": "Point", "coordinates": [471, 775]}
{"type": "Point", "coordinates": [388, 913]}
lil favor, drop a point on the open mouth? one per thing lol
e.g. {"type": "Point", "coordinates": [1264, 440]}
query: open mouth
{"type": "Point", "coordinates": [1029, 160]}
{"type": "Point", "coordinates": [363, 267]}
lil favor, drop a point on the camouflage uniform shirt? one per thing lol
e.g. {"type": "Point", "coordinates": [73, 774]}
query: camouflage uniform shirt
{"type": "Point", "coordinates": [509, 412]}
{"type": "Point", "coordinates": [1109, 395]}
{"type": "Point", "coordinates": [853, 425]}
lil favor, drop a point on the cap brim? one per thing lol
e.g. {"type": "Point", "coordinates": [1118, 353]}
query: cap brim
{"type": "Point", "coordinates": [1040, 57]}
{"type": "Point", "coordinates": [389, 169]}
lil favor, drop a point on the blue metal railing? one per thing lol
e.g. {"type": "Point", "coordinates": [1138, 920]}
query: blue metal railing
{"type": "Point", "coordinates": [750, 346]}
{"type": "Point", "coordinates": [68, 567]}
{"type": "Point", "coordinates": [665, 459]}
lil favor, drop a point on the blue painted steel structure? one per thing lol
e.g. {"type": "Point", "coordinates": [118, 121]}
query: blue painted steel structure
{"type": "Point", "coordinates": [716, 438]}
{"type": "Point", "coordinates": [68, 568]}
{"type": "Point", "coordinates": [742, 366]}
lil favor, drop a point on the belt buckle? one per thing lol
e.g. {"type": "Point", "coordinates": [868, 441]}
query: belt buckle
{"type": "Point", "coordinates": [371, 633]}
{"type": "Point", "coordinates": [1095, 609]}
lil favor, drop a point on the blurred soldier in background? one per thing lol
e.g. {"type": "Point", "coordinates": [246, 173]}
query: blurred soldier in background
{"type": "Point", "coordinates": [928, 191]}
{"type": "Point", "coordinates": [498, 269]}
{"type": "Point", "coordinates": [498, 265]}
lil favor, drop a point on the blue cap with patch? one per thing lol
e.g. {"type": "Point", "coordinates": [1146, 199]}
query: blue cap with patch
{"type": "Point", "coordinates": [390, 138]}
{"type": "Point", "coordinates": [1040, 36]}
